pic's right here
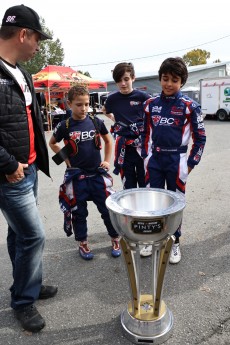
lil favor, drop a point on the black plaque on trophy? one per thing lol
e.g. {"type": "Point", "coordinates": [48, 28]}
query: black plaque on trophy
{"type": "Point", "coordinates": [146, 226]}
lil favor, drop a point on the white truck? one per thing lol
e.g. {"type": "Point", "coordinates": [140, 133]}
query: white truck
{"type": "Point", "coordinates": [215, 97]}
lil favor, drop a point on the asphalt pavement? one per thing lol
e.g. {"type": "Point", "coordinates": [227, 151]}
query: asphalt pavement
{"type": "Point", "coordinates": [92, 295]}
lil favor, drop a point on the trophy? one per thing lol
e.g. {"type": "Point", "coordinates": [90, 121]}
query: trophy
{"type": "Point", "coordinates": [146, 216]}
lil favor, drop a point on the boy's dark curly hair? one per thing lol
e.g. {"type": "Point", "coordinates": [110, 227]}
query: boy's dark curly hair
{"type": "Point", "coordinates": [176, 67]}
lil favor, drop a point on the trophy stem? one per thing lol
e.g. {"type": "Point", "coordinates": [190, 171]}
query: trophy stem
{"type": "Point", "coordinates": [164, 257]}
{"type": "Point", "coordinates": [133, 277]}
{"type": "Point", "coordinates": [155, 263]}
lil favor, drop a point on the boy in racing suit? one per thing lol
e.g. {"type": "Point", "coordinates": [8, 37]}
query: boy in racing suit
{"type": "Point", "coordinates": [86, 176]}
{"type": "Point", "coordinates": [125, 108]}
{"type": "Point", "coordinates": [171, 119]}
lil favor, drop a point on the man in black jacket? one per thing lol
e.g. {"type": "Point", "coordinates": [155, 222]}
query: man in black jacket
{"type": "Point", "coordinates": [23, 151]}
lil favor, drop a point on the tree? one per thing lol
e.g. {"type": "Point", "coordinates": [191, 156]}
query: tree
{"type": "Point", "coordinates": [50, 53]}
{"type": "Point", "coordinates": [216, 61]}
{"type": "Point", "coordinates": [85, 73]}
{"type": "Point", "coordinates": [196, 57]}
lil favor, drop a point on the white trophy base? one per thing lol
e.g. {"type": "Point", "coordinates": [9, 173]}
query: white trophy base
{"type": "Point", "coordinates": [155, 331]}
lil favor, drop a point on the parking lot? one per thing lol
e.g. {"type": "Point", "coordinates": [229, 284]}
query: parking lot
{"type": "Point", "coordinates": [92, 295]}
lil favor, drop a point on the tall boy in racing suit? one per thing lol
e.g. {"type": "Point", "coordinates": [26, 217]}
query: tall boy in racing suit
{"type": "Point", "coordinates": [125, 108]}
{"type": "Point", "coordinates": [171, 119]}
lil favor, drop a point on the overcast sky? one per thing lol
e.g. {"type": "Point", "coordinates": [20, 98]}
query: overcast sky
{"type": "Point", "coordinates": [97, 34]}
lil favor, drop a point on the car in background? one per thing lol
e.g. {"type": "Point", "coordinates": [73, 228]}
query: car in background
{"type": "Point", "coordinates": [97, 100]}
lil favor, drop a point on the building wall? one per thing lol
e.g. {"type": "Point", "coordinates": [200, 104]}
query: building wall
{"type": "Point", "coordinates": [194, 77]}
{"type": "Point", "coordinates": [151, 84]}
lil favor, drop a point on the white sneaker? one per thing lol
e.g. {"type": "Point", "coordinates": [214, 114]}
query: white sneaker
{"type": "Point", "coordinates": [175, 255]}
{"type": "Point", "coordinates": [146, 250]}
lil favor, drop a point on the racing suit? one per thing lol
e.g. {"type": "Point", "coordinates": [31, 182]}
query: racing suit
{"type": "Point", "coordinates": [169, 123]}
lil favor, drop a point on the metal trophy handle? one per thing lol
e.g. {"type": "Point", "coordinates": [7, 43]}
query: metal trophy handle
{"type": "Point", "coordinates": [146, 216]}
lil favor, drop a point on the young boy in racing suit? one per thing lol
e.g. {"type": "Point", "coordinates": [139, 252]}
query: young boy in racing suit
{"type": "Point", "coordinates": [125, 108]}
{"type": "Point", "coordinates": [171, 119]}
{"type": "Point", "coordinates": [86, 176]}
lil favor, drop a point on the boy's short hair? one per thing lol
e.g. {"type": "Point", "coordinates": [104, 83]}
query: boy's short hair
{"type": "Point", "coordinates": [77, 91]}
{"type": "Point", "coordinates": [121, 68]}
{"type": "Point", "coordinates": [176, 67]}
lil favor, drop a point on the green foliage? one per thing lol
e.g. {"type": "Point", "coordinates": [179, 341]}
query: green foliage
{"type": "Point", "coordinates": [216, 61]}
{"type": "Point", "coordinates": [196, 57]}
{"type": "Point", "coordinates": [85, 73]}
{"type": "Point", "coordinates": [50, 53]}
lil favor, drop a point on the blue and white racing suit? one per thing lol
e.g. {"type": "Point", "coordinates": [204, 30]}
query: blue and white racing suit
{"type": "Point", "coordinates": [169, 123]}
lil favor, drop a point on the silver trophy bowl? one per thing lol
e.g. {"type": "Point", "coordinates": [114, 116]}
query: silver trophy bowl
{"type": "Point", "coordinates": [146, 216]}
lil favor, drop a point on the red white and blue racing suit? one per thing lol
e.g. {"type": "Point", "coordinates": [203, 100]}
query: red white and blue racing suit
{"type": "Point", "coordinates": [85, 180]}
{"type": "Point", "coordinates": [169, 123]}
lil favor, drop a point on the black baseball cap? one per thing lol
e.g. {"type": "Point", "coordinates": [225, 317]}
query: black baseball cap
{"type": "Point", "coordinates": [24, 17]}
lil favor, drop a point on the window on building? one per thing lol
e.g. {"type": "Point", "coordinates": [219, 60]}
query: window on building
{"type": "Point", "coordinates": [222, 72]}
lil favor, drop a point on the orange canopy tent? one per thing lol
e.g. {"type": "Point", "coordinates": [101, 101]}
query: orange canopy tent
{"type": "Point", "coordinates": [58, 78]}
{"type": "Point", "coordinates": [54, 78]}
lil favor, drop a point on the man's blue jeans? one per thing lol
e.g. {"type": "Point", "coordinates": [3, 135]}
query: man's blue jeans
{"type": "Point", "coordinates": [26, 237]}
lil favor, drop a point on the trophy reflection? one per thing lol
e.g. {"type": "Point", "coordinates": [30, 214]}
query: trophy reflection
{"type": "Point", "coordinates": [146, 216]}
